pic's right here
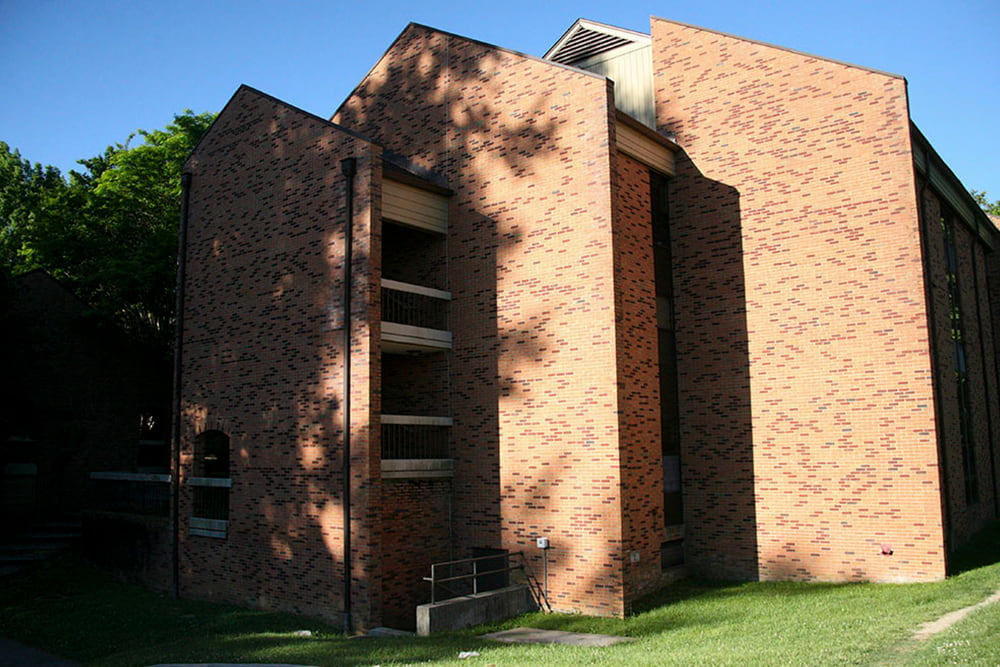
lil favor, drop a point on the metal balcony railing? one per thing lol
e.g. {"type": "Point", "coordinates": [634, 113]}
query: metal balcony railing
{"type": "Point", "coordinates": [130, 493]}
{"type": "Point", "coordinates": [211, 497]}
{"type": "Point", "coordinates": [410, 437]}
{"type": "Point", "coordinates": [414, 305]}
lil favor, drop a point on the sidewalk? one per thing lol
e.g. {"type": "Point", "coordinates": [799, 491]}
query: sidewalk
{"type": "Point", "coordinates": [13, 653]}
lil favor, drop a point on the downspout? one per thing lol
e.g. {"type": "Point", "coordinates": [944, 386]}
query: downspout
{"type": "Point", "coordinates": [349, 167]}
{"type": "Point", "coordinates": [932, 340]}
{"type": "Point", "coordinates": [175, 483]}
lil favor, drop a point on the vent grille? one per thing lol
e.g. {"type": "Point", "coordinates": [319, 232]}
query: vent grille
{"type": "Point", "coordinates": [586, 44]}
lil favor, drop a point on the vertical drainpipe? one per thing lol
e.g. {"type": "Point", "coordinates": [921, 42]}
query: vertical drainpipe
{"type": "Point", "coordinates": [176, 407]}
{"type": "Point", "coordinates": [348, 167]}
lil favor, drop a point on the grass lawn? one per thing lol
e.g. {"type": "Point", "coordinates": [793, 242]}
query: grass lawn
{"type": "Point", "coordinates": [69, 609]}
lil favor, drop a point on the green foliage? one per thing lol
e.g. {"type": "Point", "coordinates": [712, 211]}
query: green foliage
{"type": "Point", "coordinates": [109, 232]}
{"type": "Point", "coordinates": [993, 208]}
{"type": "Point", "coordinates": [23, 190]}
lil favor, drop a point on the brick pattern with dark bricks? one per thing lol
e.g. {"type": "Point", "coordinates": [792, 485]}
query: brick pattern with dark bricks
{"type": "Point", "coordinates": [964, 517]}
{"type": "Point", "coordinates": [538, 441]}
{"type": "Point", "coordinates": [263, 359]}
{"type": "Point", "coordinates": [417, 529]}
{"type": "Point", "coordinates": [812, 393]}
{"type": "Point", "coordinates": [638, 373]}
{"type": "Point", "coordinates": [807, 416]}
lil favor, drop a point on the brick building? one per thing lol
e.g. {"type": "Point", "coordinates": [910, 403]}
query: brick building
{"type": "Point", "coordinates": [676, 298]}
{"type": "Point", "coordinates": [75, 394]}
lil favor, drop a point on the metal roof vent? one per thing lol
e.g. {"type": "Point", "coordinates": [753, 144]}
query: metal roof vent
{"type": "Point", "coordinates": [586, 39]}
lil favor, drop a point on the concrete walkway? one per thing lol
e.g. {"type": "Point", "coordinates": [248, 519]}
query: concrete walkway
{"type": "Point", "coordinates": [14, 653]}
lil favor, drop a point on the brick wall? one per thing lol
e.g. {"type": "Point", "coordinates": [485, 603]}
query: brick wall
{"type": "Point", "coordinates": [73, 393]}
{"type": "Point", "coordinates": [964, 517]}
{"type": "Point", "coordinates": [415, 385]}
{"type": "Point", "coordinates": [638, 378]}
{"type": "Point", "coordinates": [525, 146]}
{"type": "Point", "coordinates": [263, 359]}
{"type": "Point", "coordinates": [796, 231]}
{"type": "Point", "coordinates": [416, 527]}
{"type": "Point", "coordinates": [413, 256]}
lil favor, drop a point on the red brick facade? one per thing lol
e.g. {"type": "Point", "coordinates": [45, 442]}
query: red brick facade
{"type": "Point", "coordinates": [816, 156]}
{"type": "Point", "coordinates": [965, 514]}
{"type": "Point", "coordinates": [525, 145]}
{"type": "Point", "coordinates": [263, 359]}
{"type": "Point", "coordinates": [641, 457]}
{"type": "Point", "coordinates": [820, 423]}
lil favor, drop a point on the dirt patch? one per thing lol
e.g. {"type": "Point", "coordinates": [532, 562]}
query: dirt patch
{"type": "Point", "coordinates": [933, 627]}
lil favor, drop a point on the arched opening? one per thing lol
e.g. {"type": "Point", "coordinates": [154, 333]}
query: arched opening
{"type": "Point", "coordinates": [210, 485]}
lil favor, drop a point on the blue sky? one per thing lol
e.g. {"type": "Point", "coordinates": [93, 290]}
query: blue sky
{"type": "Point", "coordinates": [76, 76]}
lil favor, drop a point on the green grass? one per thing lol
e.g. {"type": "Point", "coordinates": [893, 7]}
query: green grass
{"type": "Point", "coordinates": [974, 641]}
{"type": "Point", "coordinates": [69, 609]}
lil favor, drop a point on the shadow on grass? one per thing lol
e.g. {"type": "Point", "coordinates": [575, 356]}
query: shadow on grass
{"type": "Point", "coordinates": [982, 550]}
{"type": "Point", "coordinates": [321, 650]}
{"type": "Point", "coordinates": [68, 608]}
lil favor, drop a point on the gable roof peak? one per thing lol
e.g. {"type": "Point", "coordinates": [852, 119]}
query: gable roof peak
{"type": "Point", "coordinates": [586, 39]}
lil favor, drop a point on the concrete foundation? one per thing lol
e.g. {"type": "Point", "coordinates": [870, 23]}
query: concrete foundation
{"type": "Point", "coordinates": [470, 610]}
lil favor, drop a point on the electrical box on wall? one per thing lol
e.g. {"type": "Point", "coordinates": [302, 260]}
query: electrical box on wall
{"type": "Point", "coordinates": [542, 542]}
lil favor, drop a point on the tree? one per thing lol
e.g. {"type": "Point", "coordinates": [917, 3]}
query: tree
{"type": "Point", "coordinates": [982, 199]}
{"type": "Point", "coordinates": [109, 232]}
{"type": "Point", "coordinates": [23, 188]}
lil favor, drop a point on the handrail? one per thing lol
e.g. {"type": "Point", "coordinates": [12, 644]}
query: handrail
{"type": "Point", "coordinates": [426, 439]}
{"type": "Point", "coordinates": [416, 289]}
{"type": "Point", "coordinates": [478, 573]}
{"type": "Point", "coordinates": [475, 574]}
{"type": "Point", "coordinates": [117, 476]}
{"type": "Point", "coordinates": [415, 306]}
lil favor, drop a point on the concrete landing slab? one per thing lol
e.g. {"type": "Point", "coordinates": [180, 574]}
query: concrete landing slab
{"type": "Point", "coordinates": [536, 636]}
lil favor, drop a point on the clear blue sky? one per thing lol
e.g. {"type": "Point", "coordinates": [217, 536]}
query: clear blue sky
{"type": "Point", "coordinates": [76, 76]}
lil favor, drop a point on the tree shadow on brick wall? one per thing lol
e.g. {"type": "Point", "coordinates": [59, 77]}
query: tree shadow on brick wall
{"type": "Point", "coordinates": [435, 100]}
{"type": "Point", "coordinates": [438, 101]}
{"type": "Point", "coordinates": [439, 108]}
{"type": "Point", "coordinates": [714, 375]}
{"type": "Point", "coordinates": [263, 353]}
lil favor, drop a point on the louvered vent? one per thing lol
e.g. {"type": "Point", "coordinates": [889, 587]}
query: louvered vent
{"type": "Point", "coordinates": [585, 44]}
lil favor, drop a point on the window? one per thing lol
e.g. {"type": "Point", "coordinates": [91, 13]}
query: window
{"type": "Point", "coordinates": [961, 367]}
{"type": "Point", "coordinates": [670, 434]}
{"type": "Point", "coordinates": [210, 485]}
{"type": "Point", "coordinates": [153, 454]}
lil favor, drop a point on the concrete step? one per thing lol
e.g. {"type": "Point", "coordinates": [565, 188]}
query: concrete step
{"type": "Point", "coordinates": [36, 545]}
{"type": "Point", "coordinates": [23, 556]}
{"type": "Point", "coordinates": [38, 541]}
{"type": "Point", "coordinates": [52, 535]}
{"type": "Point", "coordinates": [59, 526]}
